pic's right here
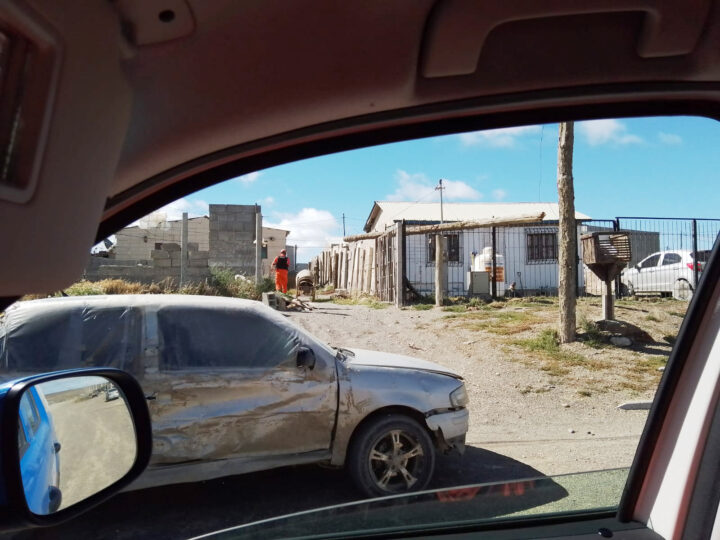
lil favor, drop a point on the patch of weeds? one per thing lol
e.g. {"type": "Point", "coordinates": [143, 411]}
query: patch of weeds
{"type": "Point", "coordinates": [632, 385]}
{"type": "Point", "coordinates": [652, 318]}
{"type": "Point", "coordinates": [84, 288]}
{"type": "Point", "coordinates": [548, 345]}
{"type": "Point", "coordinates": [422, 307]}
{"type": "Point", "coordinates": [648, 365]}
{"type": "Point", "coordinates": [367, 301]}
{"type": "Point", "coordinates": [670, 339]}
{"type": "Point", "coordinates": [592, 336]}
{"type": "Point", "coordinates": [547, 342]}
{"type": "Point", "coordinates": [584, 393]}
{"type": "Point", "coordinates": [531, 301]}
{"type": "Point", "coordinates": [476, 302]}
{"type": "Point", "coordinates": [500, 322]}
{"type": "Point", "coordinates": [554, 369]}
{"type": "Point", "coordinates": [460, 308]}
{"type": "Point", "coordinates": [680, 314]}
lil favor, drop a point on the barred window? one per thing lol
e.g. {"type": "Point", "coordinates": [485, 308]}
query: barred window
{"type": "Point", "coordinates": [453, 247]}
{"type": "Point", "coordinates": [542, 247]}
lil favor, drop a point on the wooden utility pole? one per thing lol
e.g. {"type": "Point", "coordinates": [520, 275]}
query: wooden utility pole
{"type": "Point", "coordinates": [567, 232]}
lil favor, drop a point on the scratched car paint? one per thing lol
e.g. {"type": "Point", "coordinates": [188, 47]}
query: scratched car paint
{"type": "Point", "coordinates": [226, 390]}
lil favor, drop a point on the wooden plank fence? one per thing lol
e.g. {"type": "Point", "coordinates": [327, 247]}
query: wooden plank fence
{"type": "Point", "coordinates": [364, 267]}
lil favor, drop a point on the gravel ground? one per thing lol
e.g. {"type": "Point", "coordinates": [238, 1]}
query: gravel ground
{"type": "Point", "coordinates": [555, 423]}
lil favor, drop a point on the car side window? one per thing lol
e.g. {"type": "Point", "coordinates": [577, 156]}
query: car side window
{"type": "Point", "coordinates": [216, 338]}
{"type": "Point", "coordinates": [671, 258]}
{"type": "Point", "coordinates": [650, 262]}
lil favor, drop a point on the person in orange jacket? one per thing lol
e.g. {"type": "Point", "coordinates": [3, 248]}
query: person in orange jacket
{"type": "Point", "coordinates": [281, 264]}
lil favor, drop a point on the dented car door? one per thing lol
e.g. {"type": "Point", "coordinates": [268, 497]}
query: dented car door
{"type": "Point", "coordinates": [227, 383]}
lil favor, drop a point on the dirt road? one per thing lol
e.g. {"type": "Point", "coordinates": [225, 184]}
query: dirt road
{"type": "Point", "coordinates": [550, 427]}
{"type": "Point", "coordinates": [97, 441]}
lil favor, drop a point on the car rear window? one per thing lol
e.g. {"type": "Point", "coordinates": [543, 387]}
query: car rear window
{"type": "Point", "coordinates": [213, 338]}
{"type": "Point", "coordinates": [47, 340]}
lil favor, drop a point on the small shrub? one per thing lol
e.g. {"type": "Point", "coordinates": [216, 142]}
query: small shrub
{"type": "Point", "coordinates": [592, 336]}
{"type": "Point", "coordinates": [84, 288]}
{"type": "Point", "coordinates": [422, 307]}
{"type": "Point", "coordinates": [652, 318]}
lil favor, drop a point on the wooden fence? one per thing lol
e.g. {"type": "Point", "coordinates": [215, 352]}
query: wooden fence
{"type": "Point", "coordinates": [367, 266]}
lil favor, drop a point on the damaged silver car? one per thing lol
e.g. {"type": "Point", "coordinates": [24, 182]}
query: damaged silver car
{"type": "Point", "coordinates": [234, 387]}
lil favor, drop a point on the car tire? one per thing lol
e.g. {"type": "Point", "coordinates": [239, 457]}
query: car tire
{"type": "Point", "coordinates": [391, 454]}
{"type": "Point", "coordinates": [627, 290]}
{"type": "Point", "coordinates": [682, 290]}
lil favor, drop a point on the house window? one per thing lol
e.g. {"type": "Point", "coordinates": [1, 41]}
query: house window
{"type": "Point", "coordinates": [542, 247]}
{"type": "Point", "coordinates": [453, 247]}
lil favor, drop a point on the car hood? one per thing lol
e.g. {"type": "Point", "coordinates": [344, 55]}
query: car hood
{"type": "Point", "coordinates": [382, 359]}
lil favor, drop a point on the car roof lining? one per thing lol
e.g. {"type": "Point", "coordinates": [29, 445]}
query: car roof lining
{"type": "Point", "coordinates": [274, 76]}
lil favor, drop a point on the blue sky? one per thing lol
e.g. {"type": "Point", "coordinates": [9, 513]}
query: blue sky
{"type": "Point", "coordinates": [658, 167]}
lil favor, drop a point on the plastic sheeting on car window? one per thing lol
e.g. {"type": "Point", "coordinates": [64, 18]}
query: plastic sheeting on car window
{"type": "Point", "coordinates": [62, 335]}
{"type": "Point", "coordinates": [198, 337]}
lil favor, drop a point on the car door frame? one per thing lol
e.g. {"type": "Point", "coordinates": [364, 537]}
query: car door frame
{"type": "Point", "coordinates": [316, 386]}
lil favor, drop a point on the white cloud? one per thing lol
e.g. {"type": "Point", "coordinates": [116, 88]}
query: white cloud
{"type": "Point", "coordinates": [268, 201]}
{"type": "Point", "coordinates": [670, 138]}
{"type": "Point", "coordinates": [174, 211]}
{"type": "Point", "coordinates": [249, 178]}
{"type": "Point", "coordinates": [499, 194]}
{"type": "Point", "coordinates": [597, 132]}
{"type": "Point", "coordinates": [498, 138]}
{"type": "Point", "coordinates": [417, 186]}
{"type": "Point", "coordinates": [310, 229]}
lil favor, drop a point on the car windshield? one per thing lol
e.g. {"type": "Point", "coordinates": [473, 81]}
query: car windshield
{"type": "Point", "coordinates": [459, 386]}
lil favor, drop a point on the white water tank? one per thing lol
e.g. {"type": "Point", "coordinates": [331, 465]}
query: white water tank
{"type": "Point", "coordinates": [482, 262]}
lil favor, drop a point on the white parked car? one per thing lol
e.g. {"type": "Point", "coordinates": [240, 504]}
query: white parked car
{"type": "Point", "coordinates": [665, 272]}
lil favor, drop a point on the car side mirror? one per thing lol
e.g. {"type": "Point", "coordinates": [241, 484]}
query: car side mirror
{"type": "Point", "coordinates": [305, 358]}
{"type": "Point", "coordinates": [70, 440]}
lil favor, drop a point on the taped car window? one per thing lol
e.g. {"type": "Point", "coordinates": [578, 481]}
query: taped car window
{"type": "Point", "coordinates": [224, 338]}
{"type": "Point", "coordinates": [71, 336]}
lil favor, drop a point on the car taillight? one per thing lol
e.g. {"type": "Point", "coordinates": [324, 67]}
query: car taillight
{"type": "Point", "coordinates": [692, 267]}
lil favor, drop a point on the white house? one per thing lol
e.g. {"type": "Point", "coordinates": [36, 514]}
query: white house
{"type": "Point", "coordinates": [529, 251]}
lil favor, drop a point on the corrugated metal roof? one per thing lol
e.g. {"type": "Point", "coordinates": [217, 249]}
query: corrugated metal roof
{"type": "Point", "coordinates": [385, 212]}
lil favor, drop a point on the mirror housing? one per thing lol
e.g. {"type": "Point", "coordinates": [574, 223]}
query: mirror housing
{"type": "Point", "coordinates": [15, 511]}
{"type": "Point", "coordinates": [305, 358]}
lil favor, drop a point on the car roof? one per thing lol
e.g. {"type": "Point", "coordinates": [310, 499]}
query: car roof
{"type": "Point", "coordinates": [135, 109]}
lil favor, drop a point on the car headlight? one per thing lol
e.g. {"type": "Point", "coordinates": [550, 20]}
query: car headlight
{"type": "Point", "coordinates": [459, 397]}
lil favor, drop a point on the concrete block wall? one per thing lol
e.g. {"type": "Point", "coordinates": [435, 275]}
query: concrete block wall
{"type": "Point", "coordinates": [137, 242]}
{"type": "Point", "coordinates": [232, 233]}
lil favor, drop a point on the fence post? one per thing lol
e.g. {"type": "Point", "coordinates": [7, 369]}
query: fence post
{"type": "Point", "coordinates": [616, 227]}
{"type": "Point", "coordinates": [493, 281]}
{"type": "Point", "coordinates": [400, 258]}
{"type": "Point", "coordinates": [184, 250]}
{"type": "Point", "coordinates": [258, 244]}
{"type": "Point", "coordinates": [695, 254]}
{"type": "Point", "coordinates": [439, 269]}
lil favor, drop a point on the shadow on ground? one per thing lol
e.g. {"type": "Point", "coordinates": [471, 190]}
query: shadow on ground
{"type": "Point", "coordinates": [186, 510]}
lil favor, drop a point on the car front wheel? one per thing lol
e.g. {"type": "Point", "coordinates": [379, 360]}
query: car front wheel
{"type": "Point", "coordinates": [391, 454]}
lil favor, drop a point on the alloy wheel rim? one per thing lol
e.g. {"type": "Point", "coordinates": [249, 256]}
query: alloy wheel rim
{"type": "Point", "coordinates": [395, 461]}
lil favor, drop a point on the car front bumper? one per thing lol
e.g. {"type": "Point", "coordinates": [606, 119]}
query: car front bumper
{"type": "Point", "coordinates": [451, 427]}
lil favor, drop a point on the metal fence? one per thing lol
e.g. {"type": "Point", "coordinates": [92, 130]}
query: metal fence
{"type": "Point", "coordinates": [526, 258]}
